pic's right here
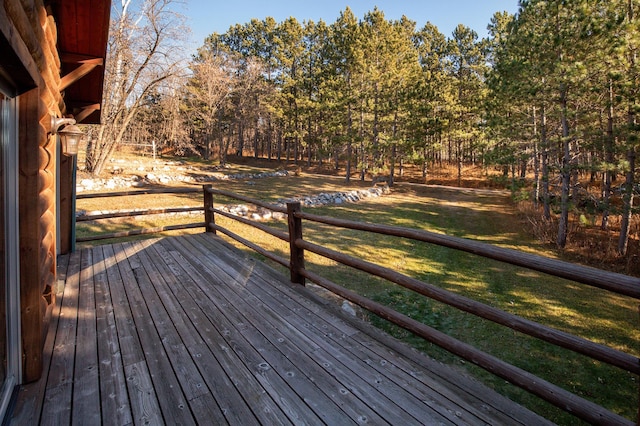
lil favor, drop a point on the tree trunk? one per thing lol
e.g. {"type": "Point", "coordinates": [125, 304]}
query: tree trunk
{"type": "Point", "coordinates": [347, 174]}
{"type": "Point", "coordinates": [545, 164]}
{"type": "Point", "coordinates": [392, 169]}
{"type": "Point", "coordinates": [627, 206]}
{"type": "Point", "coordinates": [536, 161]}
{"type": "Point", "coordinates": [207, 145]}
{"type": "Point", "coordinates": [363, 156]}
{"type": "Point", "coordinates": [394, 148]}
{"type": "Point", "coordinates": [240, 138]}
{"type": "Point", "coordinates": [279, 148]}
{"type": "Point", "coordinates": [349, 144]}
{"type": "Point", "coordinates": [608, 160]}
{"type": "Point", "coordinates": [224, 148]}
{"type": "Point", "coordinates": [269, 137]}
{"type": "Point", "coordinates": [376, 129]}
{"type": "Point", "coordinates": [256, 141]}
{"type": "Point", "coordinates": [563, 225]}
{"type": "Point", "coordinates": [424, 163]}
{"type": "Point", "coordinates": [459, 160]}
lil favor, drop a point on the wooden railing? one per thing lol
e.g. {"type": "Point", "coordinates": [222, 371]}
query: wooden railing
{"type": "Point", "coordinates": [617, 283]}
{"type": "Point", "coordinates": [143, 231]}
{"type": "Point", "coordinates": [567, 401]}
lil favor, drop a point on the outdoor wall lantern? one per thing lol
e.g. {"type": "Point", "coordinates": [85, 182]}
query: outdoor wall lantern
{"type": "Point", "coordinates": [70, 135]}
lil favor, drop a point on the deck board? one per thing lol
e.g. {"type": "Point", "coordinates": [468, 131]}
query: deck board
{"type": "Point", "coordinates": [86, 387]}
{"type": "Point", "coordinates": [170, 394]}
{"type": "Point", "coordinates": [188, 330]}
{"type": "Point", "coordinates": [59, 387]}
{"type": "Point", "coordinates": [113, 383]}
{"type": "Point", "coordinates": [344, 381]}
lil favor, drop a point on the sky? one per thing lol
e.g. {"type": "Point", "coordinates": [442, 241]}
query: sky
{"type": "Point", "coordinates": [208, 16]}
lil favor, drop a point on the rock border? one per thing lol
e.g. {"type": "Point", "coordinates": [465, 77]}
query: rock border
{"type": "Point", "coordinates": [151, 178]}
{"type": "Point", "coordinates": [319, 200]}
{"type": "Point", "coordinates": [262, 214]}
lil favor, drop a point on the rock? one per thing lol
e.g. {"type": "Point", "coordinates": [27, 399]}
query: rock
{"type": "Point", "coordinates": [87, 183]}
{"type": "Point", "coordinates": [348, 308]}
{"type": "Point", "coordinates": [267, 215]}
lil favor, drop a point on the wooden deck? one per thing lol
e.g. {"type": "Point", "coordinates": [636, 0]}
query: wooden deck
{"type": "Point", "coordinates": [188, 330]}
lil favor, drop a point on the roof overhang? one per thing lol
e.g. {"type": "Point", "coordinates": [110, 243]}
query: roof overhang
{"type": "Point", "coordinates": [83, 33]}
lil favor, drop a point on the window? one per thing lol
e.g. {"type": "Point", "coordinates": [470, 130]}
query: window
{"type": "Point", "coordinates": [9, 250]}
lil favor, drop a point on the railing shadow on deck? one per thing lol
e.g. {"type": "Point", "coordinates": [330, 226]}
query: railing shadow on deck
{"type": "Point", "coordinates": [561, 398]}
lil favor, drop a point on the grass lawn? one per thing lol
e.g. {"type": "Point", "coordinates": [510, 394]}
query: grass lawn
{"type": "Point", "coordinates": [481, 215]}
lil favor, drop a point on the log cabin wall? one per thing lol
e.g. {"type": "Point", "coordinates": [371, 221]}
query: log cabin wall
{"type": "Point", "coordinates": [34, 27]}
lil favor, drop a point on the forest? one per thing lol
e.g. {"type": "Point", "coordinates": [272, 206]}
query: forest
{"type": "Point", "coordinates": [549, 98]}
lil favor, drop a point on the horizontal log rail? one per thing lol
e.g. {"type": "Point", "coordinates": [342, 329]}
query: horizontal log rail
{"type": "Point", "coordinates": [282, 261]}
{"type": "Point", "coordinates": [133, 213]}
{"type": "Point", "coordinates": [531, 328]}
{"type": "Point", "coordinates": [274, 232]}
{"type": "Point", "coordinates": [249, 200]}
{"type": "Point", "coordinates": [617, 283]}
{"type": "Point", "coordinates": [139, 192]}
{"type": "Point", "coordinates": [134, 232]}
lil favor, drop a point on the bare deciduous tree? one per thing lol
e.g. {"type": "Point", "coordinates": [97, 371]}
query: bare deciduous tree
{"type": "Point", "coordinates": [144, 51]}
{"type": "Point", "coordinates": [208, 88]}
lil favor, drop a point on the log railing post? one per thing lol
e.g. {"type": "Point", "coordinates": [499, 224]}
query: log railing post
{"type": "Point", "coordinates": [296, 263]}
{"type": "Point", "coordinates": [208, 208]}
